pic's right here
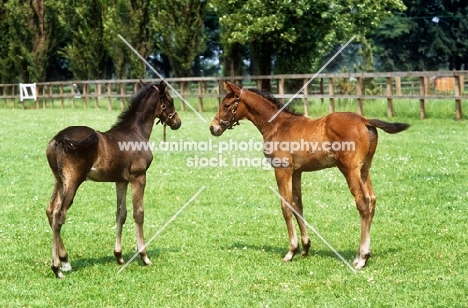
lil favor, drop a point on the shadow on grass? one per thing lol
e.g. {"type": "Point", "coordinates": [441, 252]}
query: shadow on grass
{"type": "Point", "coordinates": [269, 249]}
{"type": "Point", "coordinates": [82, 263]}
{"type": "Point", "coordinates": [322, 253]}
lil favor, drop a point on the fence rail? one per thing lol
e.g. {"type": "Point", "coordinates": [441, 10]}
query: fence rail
{"type": "Point", "coordinates": [448, 85]}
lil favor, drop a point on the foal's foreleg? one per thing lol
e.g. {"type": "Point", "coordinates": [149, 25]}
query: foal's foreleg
{"type": "Point", "coordinates": [121, 216]}
{"type": "Point", "coordinates": [138, 189]}
{"type": "Point", "coordinates": [284, 181]}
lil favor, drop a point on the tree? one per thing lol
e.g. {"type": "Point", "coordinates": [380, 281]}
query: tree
{"type": "Point", "coordinates": [86, 51]}
{"type": "Point", "coordinates": [295, 34]}
{"type": "Point", "coordinates": [135, 22]}
{"type": "Point", "coordinates": [29, 36]}
{"type": "Point", "coordinates": [6, 65]}
{"type": "Point", "coordinates": [206, 63]}
{"type": "Point", "coordinates": [367, 65]}
{"type": "Point", "coordinates": [429, 35]}
{"type": "Point", "coordinates": [181, 33]}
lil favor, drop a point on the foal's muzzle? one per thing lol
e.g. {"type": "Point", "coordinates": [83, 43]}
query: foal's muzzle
{"type": "Point", "coordinates": [215, 128]}
{"type": "Point", "coordinates": [174, 122]}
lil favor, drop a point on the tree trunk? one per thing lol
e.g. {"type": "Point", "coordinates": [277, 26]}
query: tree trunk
{"type": "Point", "coordinates": [233, 60]}
{"type": "Point", "coordinates": [261, 55]}
{"type": "Point", "coordinates": [39, 44]}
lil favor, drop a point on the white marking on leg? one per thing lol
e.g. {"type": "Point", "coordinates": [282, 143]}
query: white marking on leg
{"type": "Point", "coordinates": [66, 267]}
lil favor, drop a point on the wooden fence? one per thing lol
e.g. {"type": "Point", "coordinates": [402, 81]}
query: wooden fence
{"type": "Point", "coordinates": [359, 86]}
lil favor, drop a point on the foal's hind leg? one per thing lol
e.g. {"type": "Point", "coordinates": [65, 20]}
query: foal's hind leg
{"type": "Point", "coordinates": [368, 201]}
{"type": "Point", "coordinates": [365, 200]}
{"type": "Point", "coordinates": [121, 215]}
{"type": "Point", "coordinates": [297, 205]}
{"type": "Point", "coordinates": [364, 251]}
{"type": "Point", "coordinates": [57, 246]}
{"type": "Point", "coordinates": [62, 199]}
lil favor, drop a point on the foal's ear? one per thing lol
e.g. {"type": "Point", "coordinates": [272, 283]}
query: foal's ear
{"type": "Point", "coordinates": [162, 87]}
{"type": "Point", "coordinates": [230, 87]}
{"type": "Point", "coordinates": [142, 83]}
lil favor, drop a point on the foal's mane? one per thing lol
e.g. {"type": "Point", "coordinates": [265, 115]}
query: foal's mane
{"type": "Point", "coordinates": [269, 97]}
{"type": "Point", "coordinates": [135, 102]}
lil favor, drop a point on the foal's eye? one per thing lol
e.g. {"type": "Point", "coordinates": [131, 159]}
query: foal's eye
{"type": "Point", "coordinates": [226, 106]}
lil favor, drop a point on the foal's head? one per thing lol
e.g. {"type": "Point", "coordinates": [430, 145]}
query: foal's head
{"type": "Point", "coordinates": [229, 112]}
{"type": "Point", "coordinates": [165, 112]}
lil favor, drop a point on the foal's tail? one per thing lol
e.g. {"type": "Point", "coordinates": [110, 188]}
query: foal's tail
{"type": "Point", "coordinates": [76, 139]}
{"type": "Point", "coordinates": [391, 128]}
{"type": "Point", "coordinates": [70, 145]}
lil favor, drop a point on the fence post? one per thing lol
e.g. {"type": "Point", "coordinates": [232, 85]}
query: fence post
{"type": "Point", "coordinates": [122, 93]}
{"type": "Point", "coordinates": [4, 97]}
{"type": "Point", "coordinates": [218, 91]}
{"type": "Point", "coordinates": [182, 92]}
{"type": "Point", "coordinates": [281, 89]}
{"type": "Point", "coordinates": [398, 85]}
{"type": "Point", "coordinates": [97, 92]}
{"type": "Point", "coordinates": [322, 91]}
{"type": "Point", "coordinates": [306, 99]}
{"type": "Point", "coordinates": [61, 95]}
{"type": "Point", "coordinates": [200, 96]}
{"type": "Point", "coordinates": [13, 93]}
{"type": "Point", "coordinates": [389, 98]}
{"type": "Point", "coordinates": [331, 91]}
{"type": "Point", "coordinates": [359, 94]}
{"type": "Point", "coordinates": [72, 91]}
{"type": "Point", "coordinates": [44, 99]}
{"type": "Point", "coordinates": [259, 84]}
{"type": "Point", "coordinates": [109, 98]}
{"type": "Point", "coordinates": [422, 93]}
{"type": "Point", "coordinates": [51, 92]}
{"type": "Point", "coordinates": [427, 84]}
{"type": "Point", "coordinates": [459, 85]}
{"type": "Point", "coordinates": [85, 95]}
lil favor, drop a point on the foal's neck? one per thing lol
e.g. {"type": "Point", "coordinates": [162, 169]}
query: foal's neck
{"type": "Point", "coordinates": [144, 123]}
{"type": "Point", "coordinates": [141, 123]}
{"type": "Point", "coordinates": [261, 111]}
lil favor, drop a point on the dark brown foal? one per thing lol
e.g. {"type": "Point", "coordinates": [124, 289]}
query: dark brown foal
{"type": "Point", "coordinates": [80, 153]}
{"type": "Point", "coordinates": [294, 144]}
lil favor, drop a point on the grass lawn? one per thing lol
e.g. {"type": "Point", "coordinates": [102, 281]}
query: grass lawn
{"type": "Point", "coordinates": [225, 249]}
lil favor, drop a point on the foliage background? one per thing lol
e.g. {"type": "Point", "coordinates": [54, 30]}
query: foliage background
{"type": "Point", "coordinates": [45, 40]}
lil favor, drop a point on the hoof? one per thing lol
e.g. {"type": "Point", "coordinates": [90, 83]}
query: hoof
{"type": "Point", "coordinates": [305, 248]}
{"type": "Point", "coordinates": [66, 267]}
{"type": "Point", "coordinates": [359, 262]}
{"type": "Point", "coordinates": [118, 257]}
{"type": "Point", "coordinates": [288, 257]}
{"type": "Point", "coordinates": [146, 261]}
{"type": "Point", "coordinates": [57, 272]}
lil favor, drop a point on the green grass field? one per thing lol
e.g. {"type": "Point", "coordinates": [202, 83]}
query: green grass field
{"type": "Point", "coordinates": [225, 249]}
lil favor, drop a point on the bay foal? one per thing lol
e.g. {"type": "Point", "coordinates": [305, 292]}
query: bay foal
{"type": "Point", "coordinates": [80, 153]}
{"type": "Point", "coordinates": [280, 133]}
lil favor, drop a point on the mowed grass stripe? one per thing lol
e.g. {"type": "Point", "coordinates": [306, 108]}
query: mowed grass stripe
{"type": "Point", "coordinates": [225, 249]}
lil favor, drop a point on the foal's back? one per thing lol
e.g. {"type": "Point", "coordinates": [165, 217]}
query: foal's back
{"type": "Point", "coordinates": [328, 141]}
